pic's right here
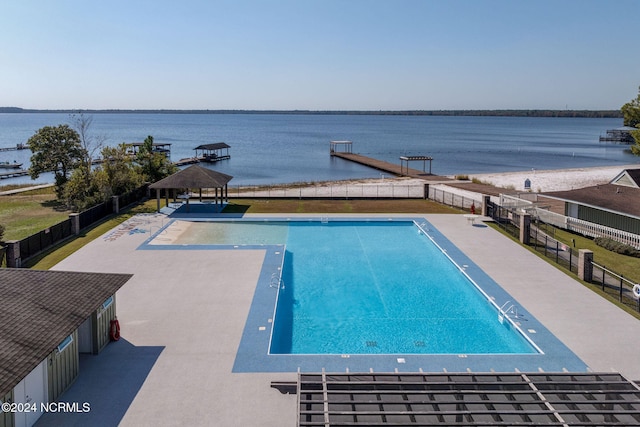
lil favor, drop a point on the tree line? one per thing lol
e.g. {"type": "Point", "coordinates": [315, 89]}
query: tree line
{"type": "Point", "coordinates": [497, 113]}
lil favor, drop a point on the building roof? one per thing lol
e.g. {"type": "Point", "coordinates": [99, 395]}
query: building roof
{"type": "Point", "coordinates": [628, 178]}
{"type": "Point", "coordinates": [216, 146]}
{"type": "Point", "coordinates": [193, 177]}
{"type": "Point", "coordinates": [609, 197]}
{"type": "Point", "coordinates": [39, 309]}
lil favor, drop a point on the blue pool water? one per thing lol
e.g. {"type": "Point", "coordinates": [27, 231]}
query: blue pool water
{"type": "Point", "coordinates": [380, 288]}
{"type": "Point", "coordinates": [370, 287]}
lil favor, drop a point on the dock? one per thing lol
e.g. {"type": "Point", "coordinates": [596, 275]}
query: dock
{"type": "Point", "coordinates": [14, 173]}
{"type": "Point", "coordinates": [400, 169]}
{"type": "Point", "coordinates": [17, 147]}
{"type": "Point", "coordinates": [211, 153]}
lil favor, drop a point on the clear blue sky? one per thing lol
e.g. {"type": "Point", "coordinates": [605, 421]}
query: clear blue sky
{"type": "Point", "coordinates": [319, 55]}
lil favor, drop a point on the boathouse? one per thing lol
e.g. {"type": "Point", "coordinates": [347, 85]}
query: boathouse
{"type": "Point", "coordinates": [213, 152]}
{"type": "Point", "coordinates": [156, 147]}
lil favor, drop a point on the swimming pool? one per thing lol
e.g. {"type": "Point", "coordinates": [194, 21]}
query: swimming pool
{"type": "Point", "coordinates": [380, 287]}
{"type": "Point", "coordinates": [398, 322]}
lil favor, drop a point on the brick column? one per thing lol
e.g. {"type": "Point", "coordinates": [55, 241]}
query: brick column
{"type": "Point", "coordinates": [525, 228]}
{"type": "Point", "coordinates": [115, 204]}
{"type": "Point", "coordinates": [13, 254]}
{"type": "Point", "coordinates": [485, 205]}
{"type": "Point", "coordinates": [75, 223]}
{"type": "Point", "coordinates": [585, 268]}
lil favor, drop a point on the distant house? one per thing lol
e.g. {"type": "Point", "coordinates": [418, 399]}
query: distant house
{"type": "Point", "coordinates": [615, 205]}
{"type": "Point", "coordinates": [46, 319]}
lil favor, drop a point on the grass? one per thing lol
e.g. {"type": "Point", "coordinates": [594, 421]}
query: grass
{"type": "Point", "coordinates": [336, 206]}
{"type": "Point", "coordinates": [622, 264]}
{"type": "Point", "coordinates": [54, 255]}
{"type": "Point", "coordinates": [627, 266]}
{"type": "Point", "coordinates": [59, 252]}
{"type": "Point", "coordinates": [27, 213]}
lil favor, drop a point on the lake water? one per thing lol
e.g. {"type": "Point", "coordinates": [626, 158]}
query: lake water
{"type": "Point", "coordinates": [284, 148]}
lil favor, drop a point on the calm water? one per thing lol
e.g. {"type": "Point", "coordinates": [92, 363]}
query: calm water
{"type": "Point", "coordinates": [280, 148]}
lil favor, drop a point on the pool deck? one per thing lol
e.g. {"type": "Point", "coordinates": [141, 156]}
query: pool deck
{"type": "Point", "coordinates": [183, 313]}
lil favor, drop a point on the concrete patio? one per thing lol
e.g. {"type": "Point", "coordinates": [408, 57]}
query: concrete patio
{"type": "Point", "coordinates": [183, 313]}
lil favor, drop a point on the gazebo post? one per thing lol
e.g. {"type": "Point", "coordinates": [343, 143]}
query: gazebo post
{"type": "Point", "coordinates": [200, 194]}
{"type": "Point", "coordinates": [158, 198]}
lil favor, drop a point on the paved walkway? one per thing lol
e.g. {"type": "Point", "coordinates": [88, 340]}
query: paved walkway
{"type": "Point", "coordinates": [183, 313]}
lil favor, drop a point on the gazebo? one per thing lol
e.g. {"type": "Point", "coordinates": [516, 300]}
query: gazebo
{"type": "Point", "coordinates": [194, 177]}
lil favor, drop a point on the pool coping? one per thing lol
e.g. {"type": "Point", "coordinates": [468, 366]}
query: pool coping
{"type": "Point", "coordinates": [253, 356]}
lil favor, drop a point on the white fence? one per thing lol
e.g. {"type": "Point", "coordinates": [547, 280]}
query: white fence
{"type": "Point", "coordinates": [457, 199]}
{"type": "Point", "coordinates": [576, 225]}
{"type": "Point", "coordinates": [334, 191]}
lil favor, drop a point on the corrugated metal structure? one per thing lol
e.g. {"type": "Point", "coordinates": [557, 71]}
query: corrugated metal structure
{"type": "Point", "coordinates": [63, 365]}
{"type": "Point", "coordinates": [6, 418]}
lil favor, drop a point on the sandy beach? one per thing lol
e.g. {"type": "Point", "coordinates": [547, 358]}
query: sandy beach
{"type": "Point", "coordinates": [553, 180]}
{"type": "Point", "coordinates": [541, 181]}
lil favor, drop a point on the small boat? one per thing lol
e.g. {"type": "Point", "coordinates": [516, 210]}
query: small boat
{"type": "Point", "coordinates": [7, 165]}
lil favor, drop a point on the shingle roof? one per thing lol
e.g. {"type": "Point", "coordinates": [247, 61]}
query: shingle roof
{"type": "Point", "coordinates": [615, 198]}
{"type": "Point", "coordinates": [194, 177]}
{"type": "Point", "coordinates": [39, 309]}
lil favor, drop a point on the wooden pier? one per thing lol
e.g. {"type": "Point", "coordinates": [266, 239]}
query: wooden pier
{"type": "Point", "coordinates": [395, 169]}
{"type": "Point", "coordinates": [17, 147]}
{"type": "Point", "coordinates": [210, 153]}
{"type": "Point", "coordinates": [13, 173]}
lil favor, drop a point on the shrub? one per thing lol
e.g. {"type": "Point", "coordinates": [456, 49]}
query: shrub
{"type": "Point", "coordinates": [617, 247]}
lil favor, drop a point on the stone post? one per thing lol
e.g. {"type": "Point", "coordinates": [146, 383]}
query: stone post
{"type": "Point", "coordinates": [116, 204]}
{"type": "Point", "coordinates": [75, 223]}
{"type": "Point", "coordinates": [13, 254]}
{"type": "Point", "coordinates": [525, 228]}
{"type": "Point", "coordinates": [485, 205]}
{"type": "Point", "coordinates": [585, 266]}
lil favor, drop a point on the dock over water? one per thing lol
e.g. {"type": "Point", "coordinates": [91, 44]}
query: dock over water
{"type": "Point", "coordinates": [381, 165]}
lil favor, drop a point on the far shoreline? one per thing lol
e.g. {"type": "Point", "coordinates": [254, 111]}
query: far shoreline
{"type": "Point", "coordinates": [615, 114]}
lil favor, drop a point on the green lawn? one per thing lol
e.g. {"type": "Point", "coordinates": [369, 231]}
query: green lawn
{"type": "Point", "coordinates": [27, 213]}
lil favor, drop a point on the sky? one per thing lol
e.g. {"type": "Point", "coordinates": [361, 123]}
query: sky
{"type": "Point", "coordinates": [319, 55]}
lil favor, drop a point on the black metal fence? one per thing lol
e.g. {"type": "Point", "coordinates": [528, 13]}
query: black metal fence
{"type": "Point", "coordinates": [45, 239]}
{"type": "Point", "coordinates": [609, 281]}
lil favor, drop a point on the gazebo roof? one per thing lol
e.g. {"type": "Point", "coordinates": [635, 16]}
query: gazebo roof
{"type": "Point", "coordinates": [193, 177]}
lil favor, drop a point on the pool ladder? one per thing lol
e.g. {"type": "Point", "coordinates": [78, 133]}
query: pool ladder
{"type": "Point", "coordinates": [502, 313]}
{"type": "Point", "coordinates": [276, 281]}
